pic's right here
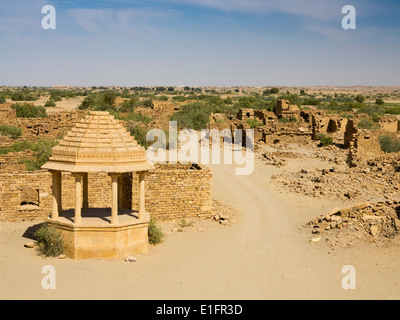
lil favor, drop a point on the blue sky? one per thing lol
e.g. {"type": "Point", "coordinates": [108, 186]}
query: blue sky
{"type": "Point", "coordinates": [200, 43]}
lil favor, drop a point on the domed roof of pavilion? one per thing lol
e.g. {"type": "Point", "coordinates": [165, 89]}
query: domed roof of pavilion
{"type": "Point", "coordinates": [98, 143]}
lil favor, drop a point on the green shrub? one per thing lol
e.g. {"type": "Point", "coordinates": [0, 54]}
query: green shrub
{"type": "Point", "coordinates": [155, 234]}
{"type": "Point", "coordinates": [311, 102]}
{"type": "Point", "coordinates": [253, 123]}
{"type": "Point", "coordinates": [389, 144]}
{"type": "Point", "coordinates": [179, 98]}
{"type": "Point", "coordinates": [374, 111]}
{"type": "Point", "coordinates": [129, 105]}
{"type": "Point", "coordinates": [17, 146]}
{"type": "Point", "coordinates": [148, 103]}
{"type": "Point", "coordinates": [27, 110]}
{"type": "Point", "coordinates": [360, 98]}
{"type": "Point", "coordinates": [162, 98]}
{"type": "Point", "coordinates": [271, 91]}
{"type": "Point", "coordinates": [42, 152]}
{"type": "Point", "coordinates": [367, 123]}
{"type": "Point", "coordinates": [288, 120]}
{"type": "Point", "coordinates": [139, 134]}
{"type": "Point", "coordinates": [325, 140]}
{"type": "Point", "coordinates": [50, 103]}
{"type": "Point", "coordinates": [193, 116]}
{"type": "Point", "coordinates": [17, 96]}
{"type": "Point", "coordinates": [133, 116]}
{"type": "Point", "coordinates": [49, 240]}
{"type": "Point", "coordinates": [10, 131]}
{"type": "Point", "coordinates": [88, 103]}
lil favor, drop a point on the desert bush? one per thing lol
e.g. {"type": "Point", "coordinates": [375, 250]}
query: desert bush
{"type": "Point", "coordinates": [49, 240]}
{"type": "Point", "coordinates": [50, 103]}
{"type": "Point", "coordinates": [228, 100]}
{"type": "Point", "coordinates": [253, 123]}
{"type": "Point", "coordinates": [88, 103]}
{"type": "Point", "coordinates": [108, 98]}
{"type": "Point", "coordinates": [288, 120]}
{"type": "Point", "coordinates": [162, 98]}
{"type": "Point", "coordinates": [17, 96]}
{"type": "Point", "coordinates": [389, 144]}
{"type": "Point", "coordinates": [56, 95]}
{"type": "Point", "coordinates": [271, 91]}
{"type": "Point", "coordinates": [17, 146]}
{"type": "Point", "coordinates": [360, 98]}
{"type": "Point", "coordinates": [42, 151]}
{"type": "Point", "coordinates": [335, 107]}
{"type": "Point", "coordinates": [155, 234]}
{"type": "Point", "coordinates": [148, 103]}
{"type": "Point", "coordinates": [179, 98]}
{"type": "Point", "coordinates": [139, 133]}
{"type": "Point", "coordinates": [133, 116]}
{"type": "Point", "coordinates": [10, 131]}
{"type": "Point", "coordinates": [99, 102]}
{"type": "Point", "coordinates": [311, 102]}
{"type": "Point", "coordinates": [129, 105]}
{"type": "Point", "coordinates": [193, 116]}
{"type": "Point", "coordinates": [367, 123]}
{"type": "Point", "coordinates": [27, 110]}
{"type": "Point", "coordinates": [325, 140]}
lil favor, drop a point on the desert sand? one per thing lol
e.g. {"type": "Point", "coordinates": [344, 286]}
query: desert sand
{"type": "Point", "coordinates": [265, 254]}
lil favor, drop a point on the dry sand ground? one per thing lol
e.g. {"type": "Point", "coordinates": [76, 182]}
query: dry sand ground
{"type": "Point", "coordinates": [264, 255]}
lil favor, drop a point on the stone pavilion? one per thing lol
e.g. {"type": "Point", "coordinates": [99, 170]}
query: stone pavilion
{"type": "Point", "coordinates": [99, 144]}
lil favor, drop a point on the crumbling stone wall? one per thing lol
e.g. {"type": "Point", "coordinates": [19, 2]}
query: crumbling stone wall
{"type": "Point", "coordinates": [172, 192]}
{"type": "Point", "coordinates": [285, 110]}
{"type": "Point", "coordinates": [388, 124]}
{"type": "Point", "coordinates": [245, 114]}
{"type": "Point", "coordinates": [7, 113]}
{"type": "Point", "coordinates": [56, 125]}
{"type": "Point", "coordinates": [25, 196]}
{"type": "Point", "coordinates": [325, 124]}
{"type": "Point", "coordinates": [296, 132]}
{"type": "Point", "coordinates": [363, 147]}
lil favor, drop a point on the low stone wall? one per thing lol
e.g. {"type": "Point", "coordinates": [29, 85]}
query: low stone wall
{"type": "Point", "coordinates": [172, 192]}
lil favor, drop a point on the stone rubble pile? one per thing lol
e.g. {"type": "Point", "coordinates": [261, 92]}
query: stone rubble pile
{"type": "Point", "coordinates": [381, 181]}
{"type": "Point", "coordinates": [377, 222]}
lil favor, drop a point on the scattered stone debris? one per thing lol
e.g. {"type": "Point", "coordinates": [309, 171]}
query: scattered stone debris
{"type": "Point", "coordinates": [347, 184]}
{"type": "Point", "coordinates": [365, 222]}
{"type": "Point", "coordinates": [29, 245]}
{"type": "Point", "coordinates": [273, 160]}
{"type": "Point", "coordinates": [224, 215]}
{"type": "Point", "coordinates": [130, 259]}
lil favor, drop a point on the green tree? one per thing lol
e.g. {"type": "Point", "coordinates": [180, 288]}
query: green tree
{"type": "Point", "coordinates": [109, 98]}
{"type": "Point", "coordinates": [27, 110]}
{"type": "Point", "coordinates": [360, 98]}
{"type": "Point", "coordinates": [379, 102]}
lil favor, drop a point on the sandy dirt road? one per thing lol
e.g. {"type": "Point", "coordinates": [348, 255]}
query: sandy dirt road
{"type": "Point", "coordinates": [263, 256]}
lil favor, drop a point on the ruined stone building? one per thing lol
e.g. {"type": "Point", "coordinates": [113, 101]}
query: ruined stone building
{"type": "Point", "coordinates": [285, 110]}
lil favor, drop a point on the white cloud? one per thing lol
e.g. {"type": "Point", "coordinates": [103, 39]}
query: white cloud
{"type": "Point", "coordinates": [103, 21]}
{"type": "Point", "coordinates": [319, 16]}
